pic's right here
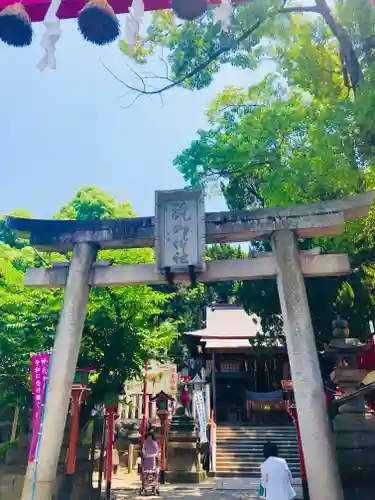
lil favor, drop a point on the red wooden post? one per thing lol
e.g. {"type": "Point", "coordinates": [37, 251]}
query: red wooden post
{"type": "Point", "coordinates": [79, 393]}
{"type": "Point", "coordinates": [111, 405]}
{"type": "Point", "coordinates": [162, 403]}
{"type": "Point", "coordinates": [144, 418]}
{"type": "Point", "coordinates": [72, 452]}
{"type": "Point", "coordinates": [109, 452]}
{"type": "Point", "coordinates": [293, 414]}
{"type": "Point", "coordinates": [163, 429]}
{"type": "Point", "coordinates": [291, 408]}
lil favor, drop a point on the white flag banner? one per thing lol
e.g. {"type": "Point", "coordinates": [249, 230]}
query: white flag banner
{"type": "Point", "coordinates": [201, 415]}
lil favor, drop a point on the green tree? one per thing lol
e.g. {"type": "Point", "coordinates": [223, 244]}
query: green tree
{"type": "Point", "coordinates": [27, 324]}
{"type": "Point", "coordinates": [301, 135]}
{"type": "Point", "coordinates": [124, 326]}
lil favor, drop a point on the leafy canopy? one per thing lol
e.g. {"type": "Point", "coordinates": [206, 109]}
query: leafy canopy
{"type": "Point", "coordinates": [123, 328]}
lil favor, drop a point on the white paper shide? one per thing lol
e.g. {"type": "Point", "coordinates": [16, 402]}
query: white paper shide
{"type": "Point", "coordinates": [132, 23]}
{"type": "Point", "coordinates": [223, 14]}
{"type": "Point", "coordinates": [50, 37]}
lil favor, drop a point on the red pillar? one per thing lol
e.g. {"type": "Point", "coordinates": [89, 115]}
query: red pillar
{"type": "Point", "coordinates": [144, 419]}
{"type": "Point", "coordinates": [163, 429]}
{"type": "Point", "coordinates": [73, 441]}
{"type": "Point", "coordinates": [300, 450]}
{"type": "Point", "coordinates": [109, 467]}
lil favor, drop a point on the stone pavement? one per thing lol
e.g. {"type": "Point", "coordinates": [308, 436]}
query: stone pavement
{"type": "Point", "coordinates": [126, 487]}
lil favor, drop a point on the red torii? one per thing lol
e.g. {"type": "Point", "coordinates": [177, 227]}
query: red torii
{"type": "Point", "coordinates": [69, 9]}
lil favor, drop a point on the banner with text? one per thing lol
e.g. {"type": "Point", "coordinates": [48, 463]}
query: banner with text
{"type": "Point", "coordinates": [201, 415]}
{"type": "Point", "coordinates": [39, 376]}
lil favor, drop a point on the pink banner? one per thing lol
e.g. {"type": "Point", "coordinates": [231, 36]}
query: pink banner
{"type": "Point", "coordinates": [39, 376]}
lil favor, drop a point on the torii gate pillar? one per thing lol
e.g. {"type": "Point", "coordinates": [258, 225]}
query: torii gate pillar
{"type": "Point", "coordinates": [318, 449]}
{"type": "Point", "coordinates": [39, 484]}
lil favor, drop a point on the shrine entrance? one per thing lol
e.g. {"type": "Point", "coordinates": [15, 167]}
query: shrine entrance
{"type": "Point", "coordinates": [179, 233]}
{"type": "Point", "coordinates": [231, 401]}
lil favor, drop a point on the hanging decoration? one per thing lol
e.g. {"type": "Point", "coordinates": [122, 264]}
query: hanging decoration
{"type": "Point", "coordinates": [15, 26]}
{"type": "Point", "coordinates": [223, 14]}
{"type": "Point", "coordinates": [98, 23]}
{"type": "Point", "coordinates": [70, 9]}
{"type": "Point", "coordinates": [50, 37]}
{"type": "Point", "coordinates": [189, 9]}
{"type": "Point", "coordinates": [132, 23]}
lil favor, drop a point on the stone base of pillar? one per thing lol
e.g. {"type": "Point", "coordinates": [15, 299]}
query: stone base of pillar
{"type": "Point", "coordinates": [358, 486]}
{"type": "Point", "coordinates": [185, 477]}
{"type": "Point", "coordinates": [12, 481]}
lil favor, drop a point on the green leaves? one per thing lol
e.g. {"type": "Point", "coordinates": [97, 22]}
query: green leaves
{"type": "Point", "coordinates": [124, 326]}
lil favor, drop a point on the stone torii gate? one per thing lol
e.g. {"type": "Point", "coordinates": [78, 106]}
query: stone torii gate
{"type": "Point", "coordinates": [179, 233]}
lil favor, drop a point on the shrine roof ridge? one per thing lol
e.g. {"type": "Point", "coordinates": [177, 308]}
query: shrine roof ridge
{"type": "Point", "coordinates": [317, 219]}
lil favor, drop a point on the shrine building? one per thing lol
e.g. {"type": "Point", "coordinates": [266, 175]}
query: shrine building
{"type": "Point", "coordinates": [245, 379]}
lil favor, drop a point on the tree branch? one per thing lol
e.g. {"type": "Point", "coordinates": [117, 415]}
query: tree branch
{"type": "Point", "coordinates": [215, 55]}
{"type": "Point", "coordinates": [350, 63]}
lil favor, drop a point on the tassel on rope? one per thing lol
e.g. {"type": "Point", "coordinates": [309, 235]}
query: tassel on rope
{"type": "Point", "coordinates": [132, 23]}
{"type": "Point", "coordinates": [223, 14]}
{"type": "Point", "coordinates": [50, 37]}
{"type": "Point", "coordinates": [98, 23]}
{"type": "Point", "coordinates": [15, 26]}
{"type": "Point", "coordinates": [189, 9]}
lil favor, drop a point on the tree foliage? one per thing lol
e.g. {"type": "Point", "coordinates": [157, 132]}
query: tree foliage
{"type": "Point", "coordinates": [124, 326]}
{"type": "Point", "coordinates": [303, 134]}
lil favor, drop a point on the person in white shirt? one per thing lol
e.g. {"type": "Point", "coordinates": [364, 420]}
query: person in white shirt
{"type": "Point", "coordinates": [276, 475]}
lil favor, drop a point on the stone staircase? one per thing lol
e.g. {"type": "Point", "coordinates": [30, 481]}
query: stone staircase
{"type": "Point", "coordinates": [239, 450]}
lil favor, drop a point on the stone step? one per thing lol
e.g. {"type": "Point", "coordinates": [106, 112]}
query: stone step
{"type": "Point", "coordinates": [240, 474]}
{"type": "Point", "coordinates": [262, 439]}
{"type": "Point", "coordinates": [228, 452]}
{"type": "Point", "coordinates": [254, 432]}
{"type": "Point", "coordinates": [257, 436]}
{"type": "Point", "coordinates": [285, 430]}
{"type": "Point", "coordinates": [241, 463]}
{"type": "Point", "coordinates": [251, 457]}
{"type": "Point", "coordinates": [249, 452]}
{"type": "Point", "coordinates": [239, 450]}
{"type": "Point", "coordinates": [244, 467]}
{"type": "Point", "coordinates": [254, 444]}
{"type": "Point", "coordinates": [256, 429]}
{"type": "Point", "coordinates": [264, 427]}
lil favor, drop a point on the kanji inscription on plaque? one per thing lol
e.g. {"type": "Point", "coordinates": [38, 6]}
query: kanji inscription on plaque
{"type": "Point", "coordinates": [179, 230]}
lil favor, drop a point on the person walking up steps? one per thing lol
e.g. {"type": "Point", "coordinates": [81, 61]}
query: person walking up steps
{"type": "Point", "coordinates": [276, 476]}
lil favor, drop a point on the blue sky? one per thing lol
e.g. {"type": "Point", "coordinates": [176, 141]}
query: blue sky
{"type": "Point", "coordinates": [63, 129]}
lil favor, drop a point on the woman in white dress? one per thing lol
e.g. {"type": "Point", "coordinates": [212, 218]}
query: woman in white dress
{"type": "Point", "coordinates": [276, 475]}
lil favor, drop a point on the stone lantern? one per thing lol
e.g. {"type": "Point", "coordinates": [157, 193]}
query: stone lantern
{"type": "Point", "coordinates": [353, 426]}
